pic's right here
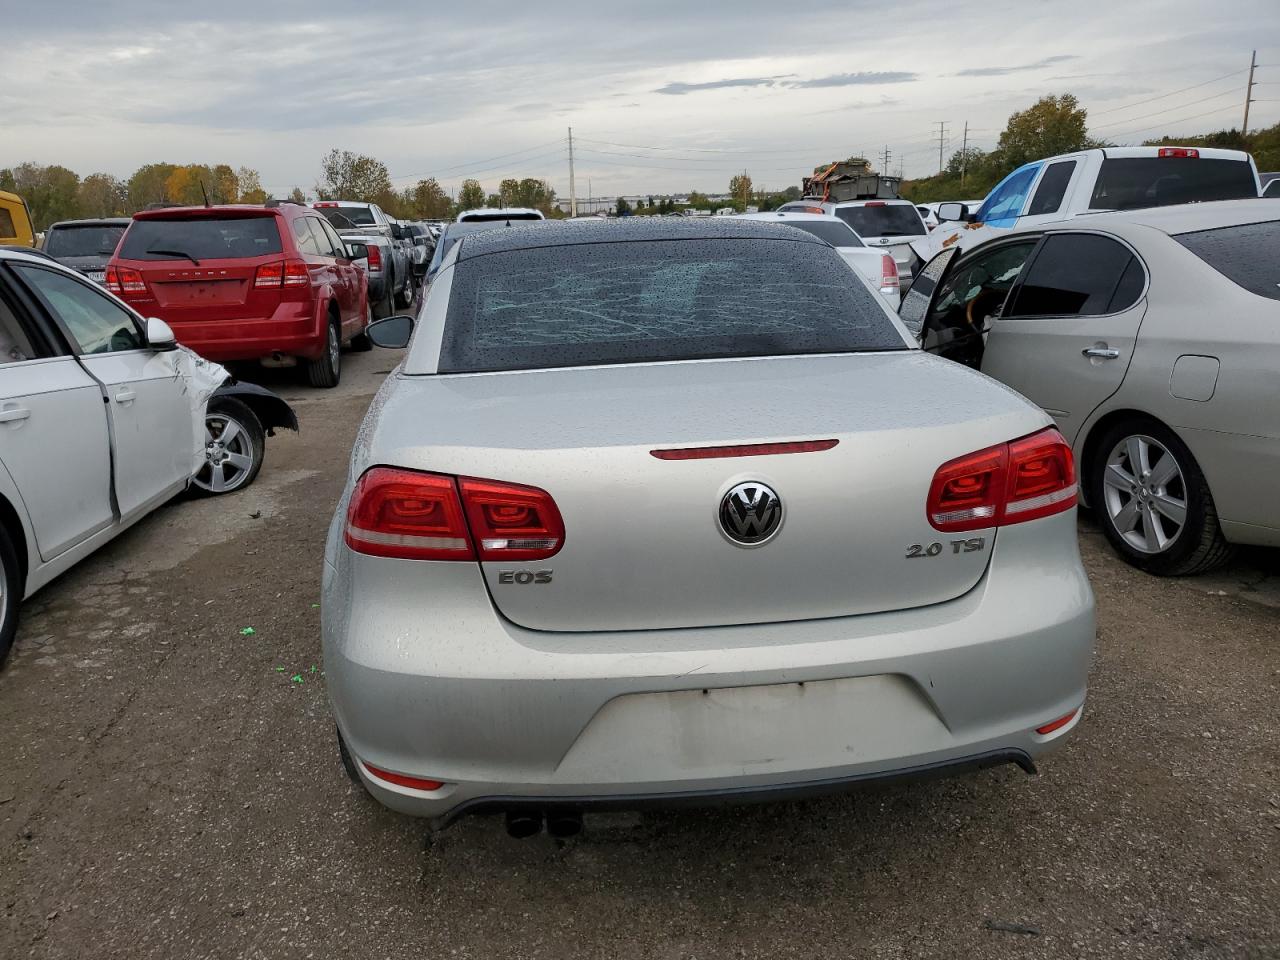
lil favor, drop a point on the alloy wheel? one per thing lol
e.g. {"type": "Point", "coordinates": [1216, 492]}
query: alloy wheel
{"type": "Point", "coordinates": [1145, 493]}
{"type": "Point", "coordinates": [228, 454]}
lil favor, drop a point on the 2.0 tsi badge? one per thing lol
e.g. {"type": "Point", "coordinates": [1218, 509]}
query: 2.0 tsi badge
{"type": "Point", "coordinates": [750, 514]}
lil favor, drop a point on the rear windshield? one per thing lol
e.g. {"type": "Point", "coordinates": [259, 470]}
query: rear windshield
{"type": "Point", "coordinates": [1131, 183]}
{"type": "Point", "coordinates": [96, 241]}
{"type": "Point", "coordinates": [360, 216]}
{"type": "Point", "coordinates": [227, 238]}
{"type": "Point", "coordinates": [834, 232]}
{"type": "Point", "coordinates": [639, 301]}
{"type": "Point", "coordinates": [891, 220]}
{"type": "Point", "coordinates": [1245, 254]}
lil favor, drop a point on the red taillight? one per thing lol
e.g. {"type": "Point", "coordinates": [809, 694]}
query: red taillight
{"type": "Point", "coordinates": [269, 274]}
{"type": "Point", "coordinates": [286, 273]}
{"type": "Point", "coordinates": [510, 521]}
{"type": "Point", "coordinates": [744, 450]}
{"type": "Point", "coordinates": [1186, 153]}
{"type": "Point", "coordinates": [122, 280]}
{"type": "Point", "coordinates": [326, 203]}
{"type": "Point", "coordinates": [408, 515]}
{"type": "Point", "coordinates": [875, 203]}
{"type": "Point", "coordinates": [1008, 483]}
{"type": "Point", "coordinates": [1058, 724]}
{"type": "Point", "coordinates": [416, 783]}
{"type": "Point", "coordinates": [888, 273]}
{"type": "Point", "coordinates": [296, 274]}
{"type": "Point", "coordinates": [375, 257]}
{"type": "Point", "coordinates": [425, 516]}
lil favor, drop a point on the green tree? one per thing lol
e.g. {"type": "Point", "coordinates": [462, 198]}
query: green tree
{"type": "Point", "coordinates": [297, 196]}
{"type": "Point", "coordinates": [1053, 125]}
{"type": "Point", "coordinates": [509, 193]}
{"type": "Point", "coordinates": [146, 186]}
{"type": "Point", "coordinates": [470, 195]}
{"type": "Point", "coordinates": [493, 200]}
{"type": "Point", "coordinates": [101, 195]}
{"type": "Point", "coordinates": [430, 202]}
{"type": "Point", "coordinates": [226, 184]}
{"type": "Point", "coordinates": [251, 186]}
{"type": "Point", "coordinates": [52, 193]}
{"type": "Point", "coordinates": [353, 176]}
{"type": "Point", "coordinates": [740, 190]}
{"type": "Point", "coordinates": [698, 200]}
{"type": "Point", "coordinates": [623, 208]}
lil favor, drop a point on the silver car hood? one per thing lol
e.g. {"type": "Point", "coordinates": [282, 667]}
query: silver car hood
{"type": "Point", "coordinates": [643, 547]}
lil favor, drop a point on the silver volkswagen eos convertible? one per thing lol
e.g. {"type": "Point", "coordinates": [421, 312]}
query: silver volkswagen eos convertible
{"type": "Point", "coordinates": [678, 512]}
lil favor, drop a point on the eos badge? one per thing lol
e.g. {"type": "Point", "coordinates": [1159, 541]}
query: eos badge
{"type": "Point", "coordinates": [524, 576]}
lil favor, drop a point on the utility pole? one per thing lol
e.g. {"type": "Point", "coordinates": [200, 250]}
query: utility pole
{"type": "Point", "coordinates": [964, 154]}
{"type": "Point", "coordinates": [573, 192]}
{"type": "Point", "coordinates": [887, 156]}
{"type": "Point", "coordinates": [1248, 94]}
{"type": "Point", "coordinates": [942, 141]}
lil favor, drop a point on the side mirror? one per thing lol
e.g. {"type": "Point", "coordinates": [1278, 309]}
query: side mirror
{"type": "Point", "coordinates": [391, 332]}
{"type": "Point", "coordinates": [160, 335]}
{"type": "Point", "coordinates": [357, 251]}
{"type": "Point", "coordinates": [958, 212]}
{"type": "Point", "coordinates": [396, 232]}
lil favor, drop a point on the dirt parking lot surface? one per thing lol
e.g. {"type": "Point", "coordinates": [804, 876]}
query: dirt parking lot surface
{"type": "Point", "coordinates": [170, 786]}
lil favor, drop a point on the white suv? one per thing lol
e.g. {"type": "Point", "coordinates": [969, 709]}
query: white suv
{"type": "Point", "coordinates": [890, 225]}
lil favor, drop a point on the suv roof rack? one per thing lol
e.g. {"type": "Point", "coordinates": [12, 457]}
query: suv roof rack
{"type": "Point", "coordinates": [273, 202]}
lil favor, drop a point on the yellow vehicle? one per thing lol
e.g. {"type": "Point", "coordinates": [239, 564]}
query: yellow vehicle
{"type": "Point", "coordinates": [15, 221]}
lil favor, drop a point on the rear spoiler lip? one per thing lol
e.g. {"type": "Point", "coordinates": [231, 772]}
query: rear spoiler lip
{"type": "Point", "coordinates": [205, 213]}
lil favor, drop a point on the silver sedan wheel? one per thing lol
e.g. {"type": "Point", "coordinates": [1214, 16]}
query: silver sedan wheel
{"type": "Point", "coordinates": [228, 454]}
{"type": "Point", "coordinates": [1145, 493]}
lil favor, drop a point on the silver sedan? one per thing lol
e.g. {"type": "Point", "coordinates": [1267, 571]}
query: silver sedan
{"type": "Point", "coordinates": [682, 513]}
{"type": "Point", "coordinates": [1152, 337]}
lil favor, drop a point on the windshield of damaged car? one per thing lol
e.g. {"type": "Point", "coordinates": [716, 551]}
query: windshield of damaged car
{"type": "Point", "coordinates": [643, 301]}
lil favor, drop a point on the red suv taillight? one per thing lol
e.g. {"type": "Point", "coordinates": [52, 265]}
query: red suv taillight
{"type": "Point", "coordinates": [888, 274]}
{"type": "Point", "coordinates": [122, 280]}
{"type": "Point", "coordinates": [429, 516]}
{"type": "Point", "coordinates": [282, 273]}
{"type": "Point", "coordinates": [375, 257]}
{"type": "Point", "coordinates": [1008, 483]}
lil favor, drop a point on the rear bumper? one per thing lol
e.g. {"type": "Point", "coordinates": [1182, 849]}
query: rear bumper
{"type": "Point", "coordinates": [600, 803]}
{"type": "Point", "coordinates": [507, 716]}
{"type": "Point", "coordinates": [293, 330]}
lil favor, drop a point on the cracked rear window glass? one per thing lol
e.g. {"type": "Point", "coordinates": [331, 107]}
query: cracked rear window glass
{"type": "Point", "coordinates": [636, 302]}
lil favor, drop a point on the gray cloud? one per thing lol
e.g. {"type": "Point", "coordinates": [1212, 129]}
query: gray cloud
{"type": "Point", "coordinates": [679, 89]}
{"type": "Point", "coordinates": [863, 78]}
{"type": "Point", "coordinates": [1019, 68]}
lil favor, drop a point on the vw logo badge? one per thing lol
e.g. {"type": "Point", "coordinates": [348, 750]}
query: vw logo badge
{"type": "Point", "coordinates": [750, 514]}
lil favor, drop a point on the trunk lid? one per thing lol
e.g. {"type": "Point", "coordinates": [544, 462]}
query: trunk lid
{"type": "Point", "coordinates": [645, 547]}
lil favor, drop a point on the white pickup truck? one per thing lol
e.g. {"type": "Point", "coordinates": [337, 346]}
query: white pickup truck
{"type": "Point", "coordinates": [1091, 181]}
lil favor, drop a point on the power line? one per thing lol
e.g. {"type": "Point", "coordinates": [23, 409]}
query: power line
{"type": "Point", "coordinates": [1195, 86]}
{"type": "Point", "coordinates": [735, 151]}
{"type": "Point", "coordinates": [472, 163]}
{"type": "Point", "coordinates": [1207, 113]}
{"type": "Point", "coordinates": [1180, 106]}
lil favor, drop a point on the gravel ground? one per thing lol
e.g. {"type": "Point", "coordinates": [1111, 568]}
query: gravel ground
{"type": "Point", "coordinates": [169, 789]}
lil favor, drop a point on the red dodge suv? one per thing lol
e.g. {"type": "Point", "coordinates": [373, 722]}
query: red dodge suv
{"type": "Point", "coordinates": [273, 283]}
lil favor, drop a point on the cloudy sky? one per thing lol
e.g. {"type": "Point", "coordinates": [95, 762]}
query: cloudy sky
{"type": "Point", "coordinates": [662, 95]}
